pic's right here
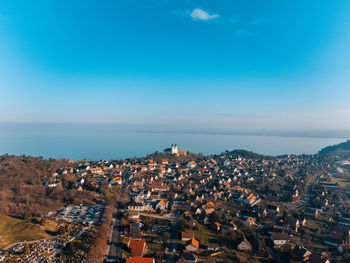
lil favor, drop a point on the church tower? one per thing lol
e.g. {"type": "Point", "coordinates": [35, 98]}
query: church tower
{"type": "Point", "coordinates": [174, 149]}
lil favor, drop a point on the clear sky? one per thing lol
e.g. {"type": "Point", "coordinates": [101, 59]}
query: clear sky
{"type": "Point", "coordinates": [224, 64]}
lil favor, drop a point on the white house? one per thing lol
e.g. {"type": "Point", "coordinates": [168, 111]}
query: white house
{"type": "Point", "coordinates": [162, 204]}
{"type": "Point", "coordinates": [191, 164]}
{"type": "Point", "coordinates": [279, 239]}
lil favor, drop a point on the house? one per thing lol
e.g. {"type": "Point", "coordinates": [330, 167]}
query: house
{"type": "Point", "coordinates": [135, 206]}
{"type": "Point", "coordinates": [279, 239]}
{"type": "Point", "coordinates": [191, 164]}
{"type": "Point", "coordinates": [217, 225]}
{"type": "Point", "coordinates": [116, 180]}
{"type": "Point", "coordinates": [162, 204]}
{"type": "Point", "coordinates": [96, 170]}
{"type": "Point", "coordinates": [134, 215]}
{"type": "Point", "coordinates": [94, 184]}
{"type": "Point", "coordinates": [185, 236]}
{"type": "Point", "coordinates": [138, 247]}
{"type": "Point", "coordinates": [165, 161]}
{"type": "Point", "coordinates": [213, 246]}
{"type": "Point", "coordinates": [140, 260]}
{"type": "Point", "coordinates": [157, 186]}
{"type": "Point", "coordinates": [192, 245]}
{"type": "Point", "coordinates": [345, 247]}
{"type": "Point", "coordinates": [250, 221]}
{"type": "Point", "coordinates": [244, 246]}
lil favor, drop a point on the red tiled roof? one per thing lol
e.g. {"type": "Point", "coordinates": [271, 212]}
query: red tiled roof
{"type": "Point", "coordinates": [187, 235]}
{"type": "Point", "coordinates": [137, 247]}
{"type": "Point", "coordinates": [139, 260]}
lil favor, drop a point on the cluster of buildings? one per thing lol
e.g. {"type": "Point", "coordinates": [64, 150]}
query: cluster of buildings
{"type": "Point", "coordinates": [221, 208]}
{"type": "Point", "coordinates": [227, 194]}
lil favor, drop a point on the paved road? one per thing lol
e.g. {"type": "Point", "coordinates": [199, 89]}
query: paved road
{"type": "Point", "coordinates": [174, 232]}
{"type": "Point", "coordinates": [113, 247]}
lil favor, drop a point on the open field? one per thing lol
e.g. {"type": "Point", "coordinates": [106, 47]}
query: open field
{"type": "Point", "coordinates": [204, 234]}
{"type": "Point", "coordinates": [13, 230]}
{"type": "Point", "coordinates": [343, 182]}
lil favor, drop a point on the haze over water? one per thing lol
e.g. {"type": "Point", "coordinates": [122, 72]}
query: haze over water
{"type": "Point", "coordinates": [95, 142]}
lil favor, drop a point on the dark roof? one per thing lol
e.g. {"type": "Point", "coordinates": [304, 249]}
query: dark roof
{"type": "Point", "coordinates": [280, 236]}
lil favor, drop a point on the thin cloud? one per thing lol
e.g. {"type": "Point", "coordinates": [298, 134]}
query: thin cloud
{"type": "Point", "coordinates": [249, 29]}
{"type": "Point", "coordinates": [200, 14]}
{"type": "Point", "coordinates": [244, 33]}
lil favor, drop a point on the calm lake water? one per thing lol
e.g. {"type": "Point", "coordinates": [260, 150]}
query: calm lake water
{"type": "Point", "coordinates": [60, 141]}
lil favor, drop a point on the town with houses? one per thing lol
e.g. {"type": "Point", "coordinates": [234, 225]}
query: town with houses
{"type": "Point", "coordinates": [178, 206]}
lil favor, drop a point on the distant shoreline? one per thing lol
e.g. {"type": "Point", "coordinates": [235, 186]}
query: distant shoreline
{"type": "Point", "coordinates": [25, 129]}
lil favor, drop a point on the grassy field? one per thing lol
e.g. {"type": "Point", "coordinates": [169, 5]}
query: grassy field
{"type": "Point", "coordinates": [343, 182]}
{"type": "Point", "coordinates": [204, 234]}
{"type": "Point", "coordinates": [13, 230]}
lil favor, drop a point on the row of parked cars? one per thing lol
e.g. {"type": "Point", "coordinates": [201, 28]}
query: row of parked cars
{"type": "Point", "coordinates": [91, 215]}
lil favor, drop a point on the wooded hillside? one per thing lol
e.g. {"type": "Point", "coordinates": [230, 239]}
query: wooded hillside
{"type": "Point", "coordinates": [22, 190]}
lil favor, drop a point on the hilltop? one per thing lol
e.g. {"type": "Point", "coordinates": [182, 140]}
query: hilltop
{"type": "Point", "coordinates": [343, 148]}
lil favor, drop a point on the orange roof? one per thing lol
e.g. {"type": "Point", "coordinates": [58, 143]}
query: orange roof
{"type": "Point", "coordinates": [195, 242]}
{"type": "Point", "coordinates": [137, 247]}
{"type": "Point", "coordinates": [164, 160]}
{"type": "Point", "coordinates": [139, 260]}
{"type": "Point", "coordinates": [162, 202]}
{"type": "Point", "coordinates": [217, 224]}
{"type": "Point", "coordinates": [250, 219]}
{"type": "Point", "coordinates": [192, 163]}
{"type": "Point", "coordinates": [210, 203]}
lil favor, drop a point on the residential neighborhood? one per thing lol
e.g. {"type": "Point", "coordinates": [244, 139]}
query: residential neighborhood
{"type": "Point", "coordinates": [230, 207]}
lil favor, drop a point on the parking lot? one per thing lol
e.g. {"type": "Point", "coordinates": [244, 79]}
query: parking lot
{"type": "Point", "coordinates": [88, 215]}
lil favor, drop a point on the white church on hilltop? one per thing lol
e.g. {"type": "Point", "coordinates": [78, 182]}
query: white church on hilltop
{"type": "Point", "coordinates": [174, 150]}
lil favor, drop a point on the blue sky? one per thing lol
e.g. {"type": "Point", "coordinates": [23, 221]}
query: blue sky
{"type": "Point", "coordinates": [227, 64]}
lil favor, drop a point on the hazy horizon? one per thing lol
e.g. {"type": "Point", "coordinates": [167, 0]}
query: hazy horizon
{"type": "Point", "coordinates": [106, 141]}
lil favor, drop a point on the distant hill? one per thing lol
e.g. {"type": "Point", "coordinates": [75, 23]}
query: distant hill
{"type": "Point", "coordinates": [339, 148]}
